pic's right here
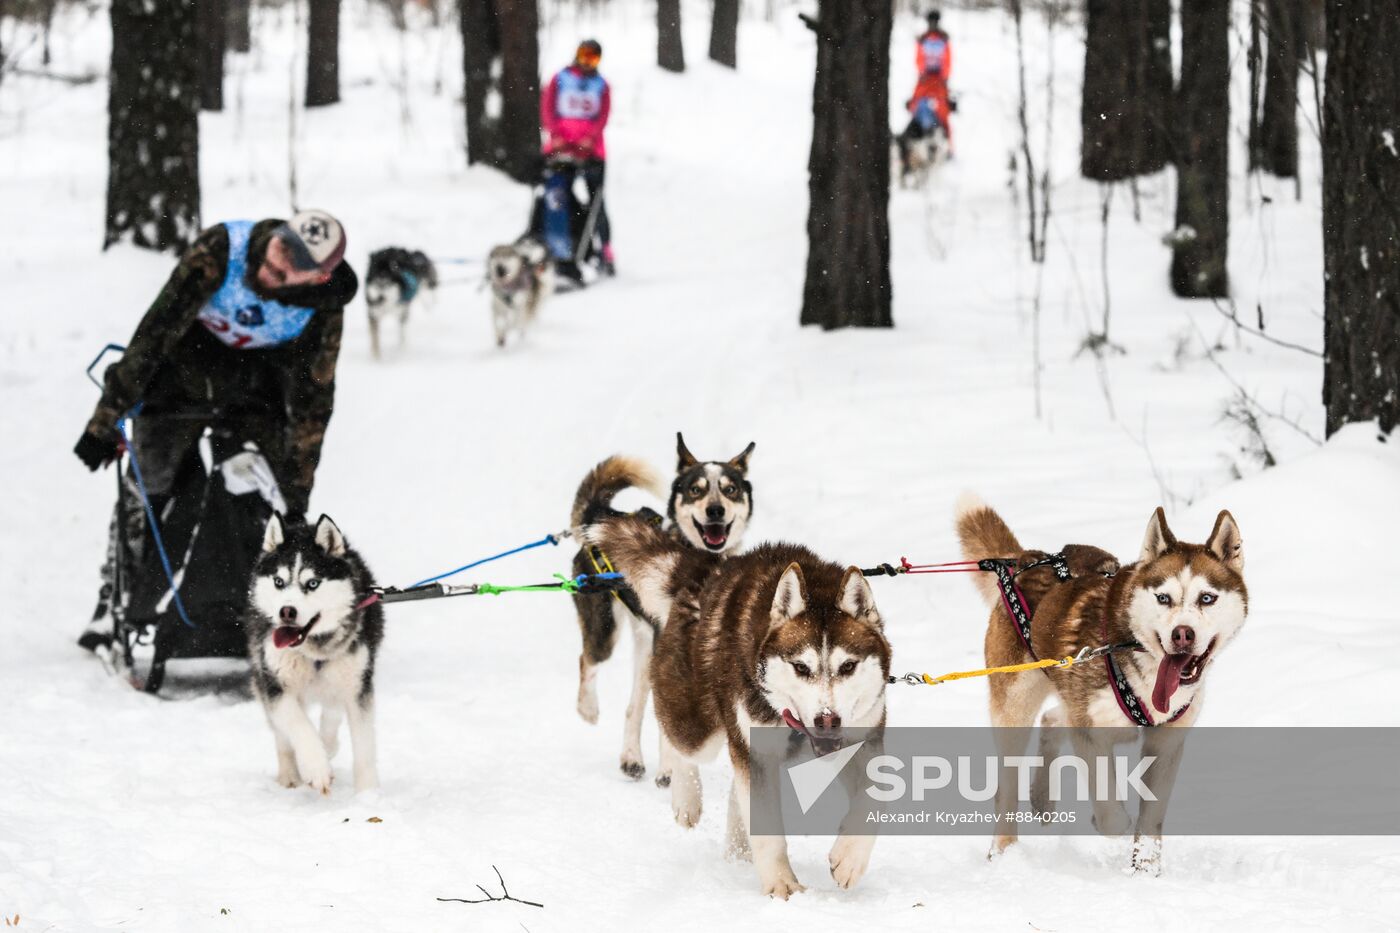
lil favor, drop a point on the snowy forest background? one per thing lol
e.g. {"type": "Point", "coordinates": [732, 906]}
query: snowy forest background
{"type": "Point", "coordinates": [1161, 269]}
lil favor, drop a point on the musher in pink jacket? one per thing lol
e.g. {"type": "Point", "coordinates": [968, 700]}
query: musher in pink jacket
{"type": "Point", "coordinates": [574, 108]}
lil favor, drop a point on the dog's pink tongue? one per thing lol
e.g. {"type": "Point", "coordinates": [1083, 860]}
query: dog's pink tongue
{"type": "Point", "coordinates": [285, 635]}
{"type": "Point", "coordinates": [1168, 679]}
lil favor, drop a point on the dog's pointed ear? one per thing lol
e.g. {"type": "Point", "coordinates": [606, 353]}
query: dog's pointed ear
{"type": "Point", "coordinates": [741, 462]}
{"type": "Point", "coordinates": [1225, 542]}
{"type": "Point", "coordinates": [684, 458]}
{"type": "Point", "coordinates": [856, 599]}
{"type": "Point", "coordinates": [790, 600]}
{"type": "Point", "coordinates": [329, 538]}
{"type": "Point", "coordinates": [1159, 538]}
{"type": "Point", "coordinates": [275, 534]}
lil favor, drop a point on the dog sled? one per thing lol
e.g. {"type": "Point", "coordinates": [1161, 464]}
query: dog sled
{"type": "Point", "coordinates": [181, 594]}
{"type": "Point", "coordinates": [566, 224]}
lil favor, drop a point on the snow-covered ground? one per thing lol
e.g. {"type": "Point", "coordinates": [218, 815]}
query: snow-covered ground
{"type": "Point", "coordinates": [118, 811]}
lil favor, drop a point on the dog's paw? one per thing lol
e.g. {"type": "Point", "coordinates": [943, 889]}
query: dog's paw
{"type": "Point", "coordinates": [288, 777]}
{"type": "Point", "coordinates": [317, 775]}
{"type": "Point", "coordinates": [687, 813]}
{"type": "Point", "coordinates": [999, 846]}
{"type": "Point", "coordinates": [849, 858]}
{"type": "Point", "coordinates": [633, 769]}
{"type": "Point", "coordinates": [783, 886]}
{"type": "Point", "coordinates": [663, 779]}
{"type": "Point", "coordinates": [1147, 856]}
{"type": "Point", "coordinates": [1115, 821]}
{"type": "Point", "coordinates": [588, 708]}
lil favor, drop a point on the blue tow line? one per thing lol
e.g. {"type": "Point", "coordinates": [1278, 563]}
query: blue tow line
{"type": "Point", "coordinates": [547, 539]}
{"type": "Point", "coordinates": [141, 487]}
{"type": "Point", "coordinates": [151, 518]}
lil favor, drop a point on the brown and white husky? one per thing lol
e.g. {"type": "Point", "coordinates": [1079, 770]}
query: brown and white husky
{"type": "Point", "coordinates": [1181, 604]}
{"type": "Point", "coordinates": [771, 630]}
{"type": "Point", "coordinates": [710, 504]}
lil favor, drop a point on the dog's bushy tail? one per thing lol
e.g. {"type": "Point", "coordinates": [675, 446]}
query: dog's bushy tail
{"type": "Point", "coordinates": [984, 534]}
{"type": "Point", "coordinates": [595, 494]}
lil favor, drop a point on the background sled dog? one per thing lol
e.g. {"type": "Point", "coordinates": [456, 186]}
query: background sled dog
{"type": "Point", "coordinates": [522, 277]}
{"type": "Point", "coordinates": [1180, 603]}
{"type": "Point", "coordinates": [394, 279]}
{"type": "Point", "coordinates": [709, 508]}
{"type": "Point", "coordinates": [776, 630]}
{"type": "Point", "coordinates": [312, 637]}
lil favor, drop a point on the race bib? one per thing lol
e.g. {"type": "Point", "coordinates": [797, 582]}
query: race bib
{"type": "Point", "coordinates": [579, 98]}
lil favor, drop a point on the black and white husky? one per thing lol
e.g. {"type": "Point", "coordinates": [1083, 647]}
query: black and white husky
{"type": "Point", "coordinates": [711, 502]}
{"type": "Point", "coordinates": [314, 627]}
{"type": "Point", "coordinates": [395, 279]}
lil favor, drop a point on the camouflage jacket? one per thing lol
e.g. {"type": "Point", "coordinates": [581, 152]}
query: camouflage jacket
{"type": "Point", "coordinates": [176, 367]}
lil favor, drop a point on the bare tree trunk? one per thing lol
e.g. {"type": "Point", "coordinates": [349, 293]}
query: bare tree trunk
{"type": "Point", "coordinates": [4, 11]}
{"type": "Point", "coordinates": [1126, 109]}
{"type": "Point", "coordinates": [1201, 241]}
{"type": "Point", "coordinates": [49, 6]}
{"type": "Point", "coordinates": [1275, 142]}
{"type": "Point", "coordinates": [848, 230]}
{"type": "Point", "coordinates": [210, 22]}
{"type": "Point", "coordinates": [1360, 223]}
{"type": "Point", "coordinates": [481, 47]}
{"type": "Point", "coordinates": [500, 60]}
{"type": "Point", "coordinates": [670, 51]}
{"type": "Point", "coordinates": [1255, 60]}
{"type": "Point", "coordinates": [520, 89]}
{"type": "Point", "coordinates": [724, 33]}
{"type": "Point", "coordinates": [240, 25]}
{"type": "Point", "coordinates": [323, 54]}
{"type": "Point", "coordinates": [153, 126]}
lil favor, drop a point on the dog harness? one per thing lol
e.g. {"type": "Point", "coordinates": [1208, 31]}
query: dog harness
{"type": "Point", "coordinates": [1011, 596]}
{"type": "Point", "coordinates": [1128, 700]}
{"type": "Point", "coordinates": [1015, 603]}
{"type": "Point", "coordinates": [237, 315]}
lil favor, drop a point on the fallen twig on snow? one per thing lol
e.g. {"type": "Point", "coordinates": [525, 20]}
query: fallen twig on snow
{"type": "Point", "coordinates": [505, 895]}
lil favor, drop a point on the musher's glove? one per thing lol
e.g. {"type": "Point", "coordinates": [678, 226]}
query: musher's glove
{"type": "Point", "coordinates": [96, 451]}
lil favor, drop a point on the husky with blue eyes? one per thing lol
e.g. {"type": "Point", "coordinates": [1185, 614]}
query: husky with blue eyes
{"type": "Point", "coordinates": [1171, 613]}
{"type": "Point", "coordinates": [314, 625]}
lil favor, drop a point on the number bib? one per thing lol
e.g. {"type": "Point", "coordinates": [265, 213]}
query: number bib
{"type": "Point", "coordinates": [237, 315]}
{"type": "Point", "coordinates": [579, 97]}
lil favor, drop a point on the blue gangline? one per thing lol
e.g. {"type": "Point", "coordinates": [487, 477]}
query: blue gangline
{"type": "Point", "coordinates": [547, 539]}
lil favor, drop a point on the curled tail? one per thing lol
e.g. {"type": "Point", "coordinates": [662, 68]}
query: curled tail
{"type": "Point", "coordinates": [595, 494]}
{"type": "Point", "coordinates": [983, 534]}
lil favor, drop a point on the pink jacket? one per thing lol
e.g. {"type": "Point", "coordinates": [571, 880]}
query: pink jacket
{"type": "Point", "coordinates": [574, 110]}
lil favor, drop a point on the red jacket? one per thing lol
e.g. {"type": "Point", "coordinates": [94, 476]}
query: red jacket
{"type": "Point", "coordinates": [574, 109]}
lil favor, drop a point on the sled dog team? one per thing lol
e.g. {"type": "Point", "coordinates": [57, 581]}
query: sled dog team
{"type": "Point", "coordinates": [729, 639]}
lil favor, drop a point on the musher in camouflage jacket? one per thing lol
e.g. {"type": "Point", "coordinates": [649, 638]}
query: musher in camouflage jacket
{"type": "Point", "coordinates": [245, 336]}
